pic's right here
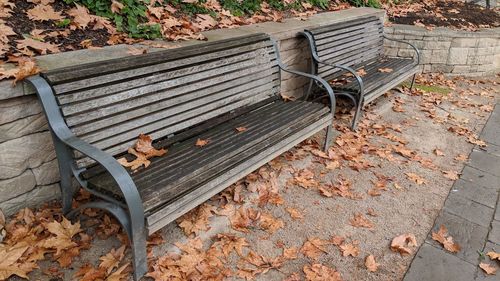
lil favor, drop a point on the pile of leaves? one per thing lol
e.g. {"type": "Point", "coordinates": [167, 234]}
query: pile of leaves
{"type": "Point", "coordinates": [443, 13]}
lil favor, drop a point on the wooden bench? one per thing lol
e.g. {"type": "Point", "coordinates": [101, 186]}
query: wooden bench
{"type": "Point", "coordinates": [340, 50]}
{"type": "Point", "coordinates": [96, 112]}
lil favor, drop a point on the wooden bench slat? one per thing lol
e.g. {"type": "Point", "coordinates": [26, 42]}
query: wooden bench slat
{"type": "Point", "coordinates": [177, 208]}
{"type": "Point", "coordinates": [97, 69]}
{"type": "Point", "coordinates": [326, 71]}
{"type": "Point", "coordinates": [358, 32]}
{"type": "Point", "coordinates": [347, 42]}
{"type": "Point", "coordinates": [134, 80]}
{"type": "Point", "coordinates": [341, 25]}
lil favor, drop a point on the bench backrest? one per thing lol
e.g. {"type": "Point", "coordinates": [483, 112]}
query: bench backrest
{"type": "Point", "coordinates": [110, 103]}
{"type": "Point", "coordinates": [348, 43]}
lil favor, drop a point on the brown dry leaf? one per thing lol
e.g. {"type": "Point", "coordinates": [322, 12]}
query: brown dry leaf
{"type": "Point", "coordinates": [332, 165]}
{"type": "Point", "coordinates": [452, 175]}
{"type": "Point", "coordinates": [81, 16]}
{"type": "Point", "coordinates": [201, 142]}
{"type": "Point", "coordinates": [229, 242]}
{"type": "Point", "coordinates": [361, 72]}
{"type": "Point", "coordinates": [350, 249]}
{"type": "Point", "coordinates": [385, 70]}
{"type": "Point", "coordinates": [139, 161]}
{"type": "Point", "coordinates": [44, 13]}
{"type": "Point", "coordinates": [9, 265]}
{"type": "Point", "coordinates": [41, 47]}
{"type": "Point", "coordinates": [26, 67]}
{"type": "Point", "coordinates": [121, 274]}
{"type": "Point", "coordinates": [415, 178]}
{"type": "Point", "coordinates": [144, 145]}
{"type": "Point", "coordinates": [461, 157]}
{"type": "Point", "coordinates": [371, 264]}
{"type": "Point", "coordinates": [314, 247]}
{"type": "Point", "coordinates": [64, 232]}
{"type": "Point", "coordinates": [196, 220]}
{"type": "Point", "coordinates": [241, 129]}
{"type": "Point", "coordinates": [270, 223]}
{"type": "Point", "coordinates": [402, 243]}
{"type": "Point", "coordinates": [446, 240]}
{"type": "Point", "coordinates": [438, 152]}
{"type": "Point", "coordinates": [137, 51]}
{"type": "Point", "coordinates": [319, 272]}
{"type": "Point", "coordinates": [488, 268]}
{"type": "Point", "coordinates": [290, 253]}
{"type": "Point", "coordinates": [337, 240]}
{"type": "Point", "coordinates": [493, 255]}
{"type": "Point", "coordinates": [116, 6]}
{"type": "Point", "coordinates": [360, 221]}
{"type": "Point", "coordinates": [112, 259]}
{"type": "Point", "coordinates": [294, 213]}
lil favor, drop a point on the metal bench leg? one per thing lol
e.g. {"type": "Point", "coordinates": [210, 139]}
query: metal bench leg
{"type": "Point", "coordinates": [358, 113]}
{"type": "Point", "coordinates": [328, 138]}
{"type": "Point", "coordinates": [412, 82]}
{"type": "Point", "coordinates": [135, 231]}
{"type": "Point", "coordinates": [65, 160]}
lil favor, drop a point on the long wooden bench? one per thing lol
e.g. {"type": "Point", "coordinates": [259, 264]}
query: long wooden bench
{"type": "Point", "coordinates": [96, 112]}
{"type": "Point", "coordinates": [351, 54]}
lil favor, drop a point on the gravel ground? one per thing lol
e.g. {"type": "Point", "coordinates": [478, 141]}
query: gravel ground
{"type": "Point", "coordinates": [403, 208]}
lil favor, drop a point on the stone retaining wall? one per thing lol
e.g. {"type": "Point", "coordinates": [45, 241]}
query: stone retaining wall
{"type": "Point", "coordinates": [448, 51]}
{"type": "Point", "coordinates": [28, 168]}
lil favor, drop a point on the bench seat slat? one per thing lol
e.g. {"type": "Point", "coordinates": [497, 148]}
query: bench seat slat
{"type": "Point", "coordinates": [282, 119]}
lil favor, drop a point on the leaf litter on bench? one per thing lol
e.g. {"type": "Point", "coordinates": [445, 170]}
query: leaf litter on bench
{"type": "Point", "coordinates": [143, 150]}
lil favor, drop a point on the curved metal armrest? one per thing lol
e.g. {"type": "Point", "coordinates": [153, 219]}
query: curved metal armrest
{"type": "Point", "coordinates": [408, 43]}
{"type": "Point", "coordinates": [62, 132]}
{"type": "Point", "coordinates": [318, 79]}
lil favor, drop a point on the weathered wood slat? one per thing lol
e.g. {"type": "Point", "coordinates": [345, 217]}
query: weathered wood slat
{"type": "Point", "coordinates": [393, 83]}
{"type": "Point", "coordinates": [357, 33]}
{"type": "Point", "coordinates": [328, 30]}
{"type": "Point", "coordinates": [99, 69]}
{"type": "Point", "coordinates": [327, 72]}
{"type": "Point", "coordinates": [126, 100]}
{"type": "Point", "coordinates": [176, 209]}
{"type": "Point", "coordinates": [348, 42]}
{"type": "Point", "coordinates": [135, 79]}
{"type": "Point", "coordinates": [361, 48]}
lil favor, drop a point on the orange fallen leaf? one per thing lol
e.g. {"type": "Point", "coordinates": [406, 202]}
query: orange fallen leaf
{"type": "Point", "coordinates": [241, 129]}
{"type": "Point", "coordinates": [385, 70]}
{"type": "Point", "coordinates": [350, 249]}
{"type": "Point", "coordinates": [446, 240]}
{"type": "Point", "coordinates": [290, 253]}
{"type": "Point", "coordinates": [44, 13]}
{"type": "Point", "coordinates": [314, 247]}
{"type": "Point", "coordinates": [145, 145]}
{"type": "Point", "coordinates": [201, 142]}
{"type": "Point", "coordinates": [41, 47]}
{"type": "Point", "coordinates": [402, 243]}
{"type": "Point", "coordinates": [488, 268]}
{"type": "Point", "coordinates": [360, 221]}
{"type": "Point", "coordinates": [294, 213]}
{"type": "Point", "coordinates": [452, 175]}
{"type": "Point", "coordinates": [371, 264]}
{"type": "Point", "coordinates": [493, 255]}
{"type": "Point", "coordinates": [415, 178]}
{"type": "Point", "coordinates": [337, 240]}
{"type": "Point", "coordinates": [319, 272]}
{"type": "Point", "coordinates": [461, 157]}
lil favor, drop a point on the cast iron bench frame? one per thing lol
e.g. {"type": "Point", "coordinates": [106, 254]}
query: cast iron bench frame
{"type": "Point", "coordinates": [131, 215]}
{"type": "Point", "coordinates": [358, 98]}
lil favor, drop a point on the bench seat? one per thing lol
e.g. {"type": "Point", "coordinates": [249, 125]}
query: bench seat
{"type": "Point", "coordinates": [171, 180]}
{"type": "Point", "coordinates": [375, 81]}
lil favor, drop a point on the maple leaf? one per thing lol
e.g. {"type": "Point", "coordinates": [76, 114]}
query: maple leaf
{"type": "Point", "coordinates": [64, 232]}
{"type": "Point", "coordinates": [371, 264]}
{"type": "Point", "coordinates": [229, 242]}
{"type": "Point", "coordinates": [350, 249]}
{"type": "Point", "coordinates": [241, 129]}
{"type": "Point", "coordinates": [201, 142]}
{"type": "Point", "coordinates": [112, 259]}
{"type": "Point", "coordinates": [493, 255]}
{"type": "Point", "coordinates": [8, 261]}
{"type": "Point", "coordinates": [360, 221]}
{"type": "Point", "coordinates": [88, 273]}
{"type": "Point", "coordinates": [337, 240]}
{"type": "Point", "coordinates": [196, 220]}
{"type": "Point", "coordinates": [41, 47]}
{"type": "Point", "coordinates": [81, 16]}
{"type": "Point", "coordinates": [294, 213]}
{"type": "Point", "coordinates": [120, 274]}
{"type": "Point", "coordinates": [488, 268]}
{"type": "Point", "coordinates": [144, 145]}
{"type": "Point", "coordinates": [116, 6]}
{"type": "Point", "coordinates": [270, 223]}
{"type": "Point", "coordinates": [314, 247]}
{"type": "Point", "coordinates": [139, 161]}
{"type": "Point", "coordinates": [44, 13]}
{"type": "Point", "coordinates": [319, 272]}
{"type": "Point", "coordinates": [402, 243]}
{"type": "Point", "coordinates": [26, 67]}
{"type": "Point", "coordinates": [290, 253]}
{"type": "Point", "coordinates": [446, 240]}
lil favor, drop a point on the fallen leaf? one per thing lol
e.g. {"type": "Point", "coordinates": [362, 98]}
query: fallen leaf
{"type": "Point", "coordinates": [319, 272]}
{"type": "Point", "coordinates": [112, 259]}
{"type": "Point", "coordinates": [201, 142]}
{"type": "Point", "coordinates": [360, 221]}
{"type": "Point", "coordinates": [44, 13]}
{"type": "Point", "coordinates": [241, 129]}
{"type": "Point", "coordinates": [116, 6]}
{"type": "Point", "coordinates": [493, 255]}
{"type": "Point", "coordinates": [402, 243]}
{"type": "Point", "coordinates": [446, 240]}
{"type": "Point", "coordinates": [438, 152]}
{"type": "Point", "coordinates": [41, 47]}
{"type": "Point", "coordinates": [137, 51]}
{"type": "Point", "coordinates": [452, 175]}
{"type": "Point", "coordinates": [350, 249]}
{"type": "Point", "coordinates": [415, 178]}
{"type": "Point", "coordinates": [461, 157]}
{"type": "Point", "coordinates": [385, 70]}
{"type": "Point", "coordinates": [488, 268]}
{"type": "Point", "coordinates": [371, 264]}
{"type": "Point", "coordinates": [314, 247]}
{"type": "Point", "coordinates": [294, 213]}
